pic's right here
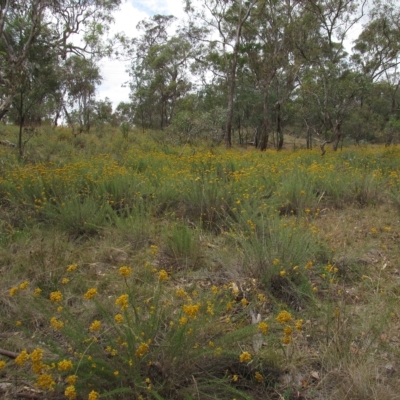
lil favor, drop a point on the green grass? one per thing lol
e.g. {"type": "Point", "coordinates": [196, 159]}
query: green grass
{"type": "Point", "coordinates": [187, 259]}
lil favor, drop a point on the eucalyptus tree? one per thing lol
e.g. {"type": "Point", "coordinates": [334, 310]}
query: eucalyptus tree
{"type": "Point", "coordinates": [158, 71]}
{"type": "Point", "coordinates": [377, 52]}
{"type": "Point", "coordinates": [63, 18]}
{"type": "Point", "coordinates": [38, 82]}
{"type": "Point", "coordinates": [217, 25]}
{"type": "Point", "coordinates": [81, 75]}
{"type": "Point", "coordinates": [328, 86]}
{"type": "Point", "coordinates": [272, 59]}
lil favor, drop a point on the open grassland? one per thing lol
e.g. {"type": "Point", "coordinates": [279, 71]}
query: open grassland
{"type": "Point", "coordinates": [134, 269]}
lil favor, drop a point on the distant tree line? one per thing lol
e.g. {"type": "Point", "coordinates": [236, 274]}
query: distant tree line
{"type": "Point", "coordinates": [232, 71]}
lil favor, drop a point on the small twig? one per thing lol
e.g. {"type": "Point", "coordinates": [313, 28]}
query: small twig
{"type": "Point", "coordinates": [9, 354]}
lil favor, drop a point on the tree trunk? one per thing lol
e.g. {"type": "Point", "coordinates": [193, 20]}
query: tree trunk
{"type": "Point", "coordinates": [232, 74]}
{"type": "Point", "coordinates": [337, 136]}
{"type": "Point", "coordinates": [265, 126]}
{"type": "Point", "coordinates": [231, 94]}
{"type": "Point", "coordinates": [279, 126]}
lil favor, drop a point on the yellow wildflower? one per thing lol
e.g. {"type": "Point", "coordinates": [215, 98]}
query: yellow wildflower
{"type": "Point", "coordinates": [180, 293]}
{"type": "Point", "coordinates": [125, 271]}
{"type": "Point", "coordinates": [122, 301]}
{"type": "Point", "coordinates": [245, 356]}
{"type": "Point", "coordinates": [22, 358]}
{"type": "Point", "coordinates": [93, 395]}
{"type": "Point", "coordinates": [45, 381]}
{"type": "Point", "coordinates": [70, 392]}
{"type": "Point", "coordinates": [263, 327]}
{"type": "Point", "coordinates": [235, 378]}
{"type": "Point", "coordinates": [191, 310]}
{"type": "Point", "coordinates": [163, 275]}
{"type": "Point", "coordinates": [283, 317]}
{"type": "Point", "coordinates": [64, 281]}
{"type": "Point", "coordinates": [183, 321]}
{"type": "Point", "coordinates": [299, 324]}
{"type": "Point", "coordinates": [286, 339]}
{"type": "Point", "coordinates": [2, 365]}
{"type": "Point", "coordinates": [64, 365]}
{"type": "Point", "coordinates": [24, 285]}
{"type": "Point", "coordinates": [142, 349]}
{"type": "Point", "coordinates": [288, 330]}
{"type": "Point", "coordinates": [259, 378]}
{"type": "Point", "coordinates": [309, 265]}
{"type": "Point", "coordinates": [244, 302]}
{"type": "Point", "coordinates": [72, 267]}
{"type": "Point", "coordinates": [56, 297]}
{"type": "Point", "coordinates": [37, 292]}
{"type": "Point", "coordinates": [13, 291]}
{"type": "Point", "coordinates": [56, 323]}
{"type": "Point", "coordinates": [71, 379]}
{"type": "Point", "coordinates": [95, 326]}
{"type": "Point", "coordinates": [119, 318]}
{"type": "Point", "coordinates": [90, 293]}
{"type": "Point", "coordinates": [37, 355]}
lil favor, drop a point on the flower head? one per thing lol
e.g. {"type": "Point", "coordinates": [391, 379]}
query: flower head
{"type": "Point", "coordinates": [64, 365]}
{"type": "Point", "coordinates": [259, 378]}
{"type": "Point", "coordinates": [71, 379]}
{"type": "Point", "coordinates": [45, 381]}
{"type": "Point", "coordinates": [24, 285]}
{"type": "Point", "coordinates": [283, 317]}
{"type": "Point", "coordinates": [125, 271]}
{"type": "Point", "coordinates": [56, 297]}
{"type": "Point", "coordinates": [122, 301]}
{"type": "Point", "coordinates": [245, 357]}
{"type": "Point", "coordinates": [70, 392]}
{"type": "Point", "coordinates": [90, 294]}
{"type": "Point", "coordinates": [119, 318]}
{"type": "Point", "coordinates": [191, 310]}
{"type": "Point", "coordinates": [56, 323]}
{"type": "Point", "coordinates": [22, 358]}
{"type": "Point", "coordinates": [72, 267]}
{"type": "Point", "coordinates": [13, 291]}
{"type": "Point", "coordinates": [163, 275]}
{"type": "Point", "coordinates": [95, 326]}
{"type": "Point", "coordinates": [93, 395]}
{"type": "Point", "coordinates": [263, 327]}
{"type": "Point", "coordinates": [142, 349]}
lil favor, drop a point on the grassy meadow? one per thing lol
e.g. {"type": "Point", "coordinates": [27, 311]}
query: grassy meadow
{"type": "Point", "coordinates": [132, 268]}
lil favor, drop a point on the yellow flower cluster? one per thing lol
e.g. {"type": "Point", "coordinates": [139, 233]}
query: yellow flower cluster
{"type": "Point", "coordinates": [56, 297]}
{"type": "Point", "coordinates": [191, 310]}
{"type": "Point", "coordinates": [283, 317]}
{"type": "Point", "coordinates": [64, 365]}
{"type": "Point", "coordinates": [56, 323]}
{"type": "Point", "coordinates": [89, 295]}
{"type": "Point", "coordinates": [122, 301]}
{"type": "Point", "coordinates": [72, 267]}
{"type": "Point", "coordinates": [142, 349]}
{"type": "Point", "coordinates": [245, 357]}
{"type": "Point", "coordinates": [95, 326]}
{"type": "Point", "coordinates": [125, 271]}
{"type": "Point", "coordinates": [163, 275]}
{"type": "Point", "coordinates": [263, 327]}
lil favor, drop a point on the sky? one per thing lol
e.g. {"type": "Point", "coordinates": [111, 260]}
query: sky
{"type": "Point", "coordinates": [126, 18]}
